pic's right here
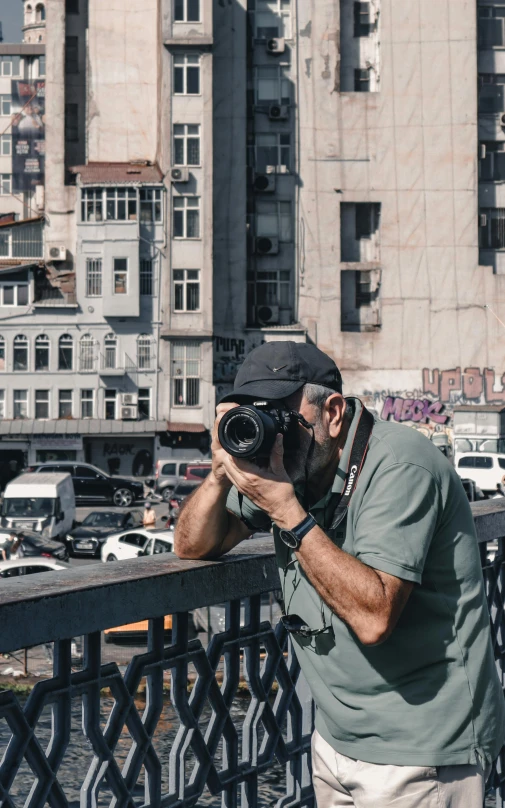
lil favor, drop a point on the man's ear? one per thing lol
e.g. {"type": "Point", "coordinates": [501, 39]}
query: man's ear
{"type": "Point", "coordinates": [334, 410]}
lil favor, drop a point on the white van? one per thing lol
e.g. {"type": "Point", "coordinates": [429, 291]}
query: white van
{"type": "Point", "coordinates": [485, 469]}
{"type": "Point", "coordinates": [44, 503]}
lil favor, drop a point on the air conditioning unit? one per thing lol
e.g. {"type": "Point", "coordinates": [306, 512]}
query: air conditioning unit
{"type": "Point", "coordinates": [56, 252]}
{"type": "Point", "coordinates": [264, 183]}
{"type": "Point", "coordinates": [179, 174]}
{"type": "Point", "coordinates": [129, 399]}
{"type": "Point", "coordinates": [276, 45]}
{"type": "Point", "coordinates": [129, 413]}
{"type": "Point", "coordinates": [266, 245]}
{"type": "Point", "coordinates": [278, 112]}
{"type": "Point", "coordinates": [267, 315]}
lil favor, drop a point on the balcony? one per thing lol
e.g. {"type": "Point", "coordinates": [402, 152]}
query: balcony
{"type": "Point", "coordinates": [120, 750]}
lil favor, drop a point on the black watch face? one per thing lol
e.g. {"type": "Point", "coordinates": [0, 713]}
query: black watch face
{"type": "Point", "coordinates": [289, 538]}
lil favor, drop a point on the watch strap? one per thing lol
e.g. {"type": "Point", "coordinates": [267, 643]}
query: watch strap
{"type": "Point", "coordinates": [304, 527]}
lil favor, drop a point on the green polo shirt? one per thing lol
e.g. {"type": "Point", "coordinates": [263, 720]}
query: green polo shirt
{"type": "Point", "coordinates": [430, 694]}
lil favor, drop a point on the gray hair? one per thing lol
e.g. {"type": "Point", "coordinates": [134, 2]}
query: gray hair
{"type": "Point", "coordinates": [316, 394]}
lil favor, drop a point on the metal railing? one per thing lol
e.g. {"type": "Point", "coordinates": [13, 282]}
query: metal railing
{"type": "Point", "coordinates": [216, 753]}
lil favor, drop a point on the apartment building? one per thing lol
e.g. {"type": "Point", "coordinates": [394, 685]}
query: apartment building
{"type": "Point", "coordinates": [222, 174]}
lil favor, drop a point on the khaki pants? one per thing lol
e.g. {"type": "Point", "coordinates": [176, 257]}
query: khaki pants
{"type": "Point", "coordinates": [342, 782]}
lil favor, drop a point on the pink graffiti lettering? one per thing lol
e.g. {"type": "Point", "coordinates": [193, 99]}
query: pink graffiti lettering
{"type": "Point", "coordinates": [453, 386]}
{"type": "Point", "coordinates": [416, 410]}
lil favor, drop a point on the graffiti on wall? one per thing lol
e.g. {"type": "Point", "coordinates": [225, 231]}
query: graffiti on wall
{"type": "Point", "coordinates": [441, 390]}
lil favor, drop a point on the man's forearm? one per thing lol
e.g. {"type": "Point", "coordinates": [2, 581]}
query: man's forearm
{"type": "Point", "coordinates": [368, 601]}
{"type": "Point", "coordinates": [203, 523]}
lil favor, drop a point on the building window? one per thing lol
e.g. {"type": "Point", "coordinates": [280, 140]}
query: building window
{"type": "Point", "coordinates": [92, 204]}
{"type": "Point", "coordinates": [20, 398]}
{"type": "Point", "coordinates": [2, 403]}
{"type": "Point", "coordinates": [492, 161]}
{"type": "Point", "coordinates": [65, 352]}
{"type": "Point", "coordinates": [186, 144]}
{"type": "Point", "coordinates": [72, 6]}
{"type": "Point", "coordinates": [10, 65]}
{"type": "Point", "coordinates": [14, 295]}
{"type": "Point", "coordinates": [5, 184]}
{"type": "Point", "coordinates": [42, 345]}
{"type": "Point", "coordinates": [144, 405]}
{"type": "Point", "coordinates": [271, 85]}
{"type": "Point", "coordinates": [143, 352]}
{"type": "Point", "coordinates": [272, 18]}
{"type": "Point", "coordinates": [150, 205]}
{"type": "Point", "coordinates": [6, 145]}
{"type": "Point", "coordinates": [41, 404]}
{"type": "Point", "coordinates": [72, 123]}
{"type": "Point", "coordinates": [40, 13]}
{"type": "Point", "coordinates": [359, 231]}
{"type": "Point", "coordinates": [362, 80]}
{"type": "Point", "coordinates": [71, 54]}
{"type": "Point", "coordinates": [271, 153]}
{"type": "Point", "coordinates": [87, 403]}
{"type": "Point", "coordinates": [360, 300]}
{"type": "Point", "coordinates": [110, 405]}
{"type": "Point", "coordinates": [65, 404]}
{"type": "Point", "coordinates": [146, 277]}
{"type": "Point", "coordinates": [5, 104]}
{"type": "Point", "coordinates": [492, 228]}
{"type": "Point", "coordinates": [491, 93]}
{"type": "Point", "coordinates": [187, 10]}
{"type": "Point", "coordinates": [490, 26]}
{"type": "Point", "coordinates": [87, 353]}
{"type": "Point", "coordinates": [20, 352]}
{"type": "Point", "coordinates": [28, 15]}
{"type": "Point", "coordinates": [187, 74]}
{"type": "Point", "coordinates": [274, 219]}
{"type": "Point", "coordinates": [186, 374]}
{"type": "Point", "coordinates": [110, 346]}
{"type": "Point", "coordinates": [42, 66]}
{"type": "Point", "coordinates": [120, 276]}
{"type": "Point", "coordinates": [361, 19]}
{"type": "Point", "coordinates": [272, 288]}
{"type": "Point", "coordinates": [186, 223]}
{"type": "Point", "coordinates": [186, 289]}
{"type": "Point", "coordinates": [93, 277]}
{"type": "Point", "coordinates": [27, 241]}
{"type": "Point", "coordinates": [2, 354]}
{"type": "Point", "coordinates": [121, 204]}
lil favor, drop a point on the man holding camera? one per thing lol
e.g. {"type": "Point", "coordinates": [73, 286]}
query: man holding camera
{"type": "Point", "coordinates": [381, 576]}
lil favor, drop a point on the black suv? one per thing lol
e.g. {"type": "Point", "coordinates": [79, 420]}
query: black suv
{"type": "Point", "coordinates": [93, 485]}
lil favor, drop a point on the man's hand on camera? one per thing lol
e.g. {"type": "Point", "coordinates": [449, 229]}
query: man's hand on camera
{"type": "Point", "coordinates": [218, 453]}
{"type": "Point", "coordinates": [269, 488]}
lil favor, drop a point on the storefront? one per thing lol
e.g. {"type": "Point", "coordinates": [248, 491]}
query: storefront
{"type": "Point", "coordinates": [47, 449]}
{"type": "Point", "coordinates": [125, 456]}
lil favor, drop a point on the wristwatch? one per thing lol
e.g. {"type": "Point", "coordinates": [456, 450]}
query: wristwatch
{"type": "Point", "coordinates": [293, 538]}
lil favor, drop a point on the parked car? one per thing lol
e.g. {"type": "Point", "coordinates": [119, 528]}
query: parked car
{"type": "Point", "coordinates": [136, 633]}
{"type": "Point", "coordinates": [35, 545]}
{"type": "Point", "coordinates": [91, 484]}
{"type": "Point", "coordinates": [133, 543]}
{"type": "Point", "coordinates": [168, 473]}
{"type": "Point", "coordinates": [44, 503]}
{"type": "Point", "coordinates": [24, 566]}
{"type": "Point", "coordinates": [88, 538]}
{"type": "Point", "coordinates": [197, 471]}
{"type": "Point", "coordinates": [485, 469]}
{"type": "Point", "coordinates": [179, 494]}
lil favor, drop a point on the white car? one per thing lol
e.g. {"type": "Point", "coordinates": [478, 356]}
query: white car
{"type": "Point", "coordinates": [28, 565]}
{"type": "Point", "coordinates": [484, 468]}
{"type": "Point", "coordinates": [137, 542]}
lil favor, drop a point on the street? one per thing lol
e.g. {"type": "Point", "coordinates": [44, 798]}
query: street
{"type": "Point", "coordinates": [81, 513]}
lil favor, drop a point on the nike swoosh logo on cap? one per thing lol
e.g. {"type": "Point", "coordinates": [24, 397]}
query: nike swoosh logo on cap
{"type": "Point", "coordinates": [276, 370]}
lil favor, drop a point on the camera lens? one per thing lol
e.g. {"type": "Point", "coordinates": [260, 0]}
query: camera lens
{"type": "Point", "coordinates": [247, 432]}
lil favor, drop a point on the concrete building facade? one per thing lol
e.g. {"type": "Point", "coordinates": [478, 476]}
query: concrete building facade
{"type": "Point", "coordinates": [222, 174]}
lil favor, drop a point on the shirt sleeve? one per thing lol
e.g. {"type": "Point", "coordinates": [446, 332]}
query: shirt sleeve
{"type": "Point", "coordinates": [397, 520]}
{"type": "Point", "coordinates": [249, 513]}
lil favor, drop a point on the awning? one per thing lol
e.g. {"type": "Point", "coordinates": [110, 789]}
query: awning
{"type": "Point", "coordinates": [176, 426]}
{"type": "Point", "coordinates": [118, 173]}
{"type": "Point", "coordinates": [86, 427]}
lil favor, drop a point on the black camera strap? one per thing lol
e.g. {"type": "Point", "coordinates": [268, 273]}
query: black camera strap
{"type": "Point", "coordinates": [356, 459]}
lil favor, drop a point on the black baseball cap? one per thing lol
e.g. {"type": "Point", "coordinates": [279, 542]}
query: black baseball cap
{"type": "Point", "coordinates": [276, 370]}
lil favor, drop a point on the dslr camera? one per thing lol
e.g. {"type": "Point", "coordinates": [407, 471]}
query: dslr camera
{"type": "Point", "coordinates": [249, 431]}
